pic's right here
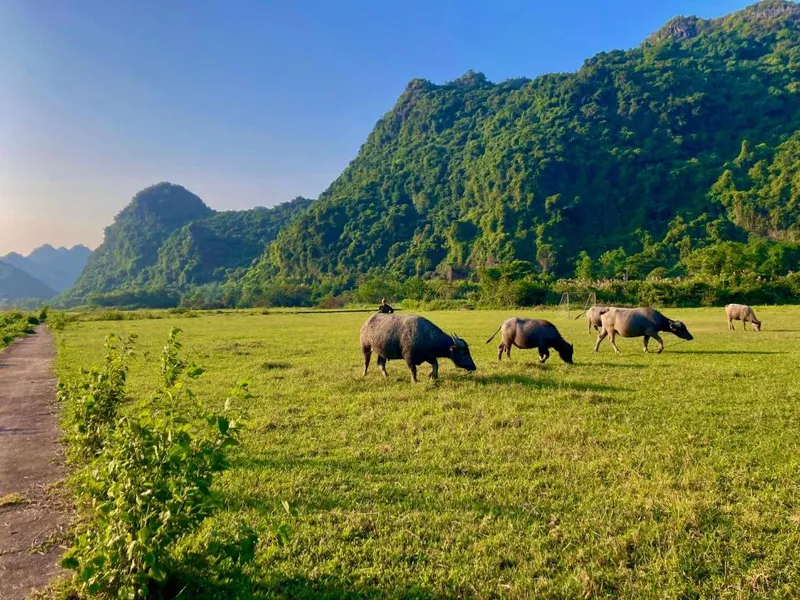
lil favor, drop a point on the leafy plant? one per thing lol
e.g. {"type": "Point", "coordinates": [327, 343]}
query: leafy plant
{"type": "Point", "coordinates": [14, 325]}
{"type": "Point", "coordinates": [151, 483]}
{"type": "Point", "coordinates": [92, 400]}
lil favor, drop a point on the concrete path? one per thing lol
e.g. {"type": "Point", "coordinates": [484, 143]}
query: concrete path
{"type": "Point", "coordinates": [30, 463]}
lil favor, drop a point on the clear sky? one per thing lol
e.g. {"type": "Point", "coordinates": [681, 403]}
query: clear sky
{"type": "Point", "coordinates": [246, 102]}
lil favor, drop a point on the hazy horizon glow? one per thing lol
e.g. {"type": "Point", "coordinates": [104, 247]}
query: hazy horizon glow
{"type": "Point", "coordinates": [245, 103]}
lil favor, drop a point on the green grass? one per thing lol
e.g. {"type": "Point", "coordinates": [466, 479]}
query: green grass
{"type": "Point", "coordinates": [626, 475]}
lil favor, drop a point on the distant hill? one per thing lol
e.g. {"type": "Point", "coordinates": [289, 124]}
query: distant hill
{"type": "Point", "coordinates": [168, 237]}
{"type": "Point", "coordinates": [206, 250]}
{"type": "Point", "coordinates": [16, 284]}
{"type": "Point", "coordinates": [131, 243]}
{"type": "Point", "coordinates": [58, 268]}
{"type": "Point", "coordinates": [572, 166]}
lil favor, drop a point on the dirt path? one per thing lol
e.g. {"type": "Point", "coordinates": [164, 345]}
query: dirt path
{"type": "Point", "coordinates": [30, 462]}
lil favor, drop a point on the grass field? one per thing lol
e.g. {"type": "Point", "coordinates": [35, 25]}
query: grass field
{"type": "Point", "coordinates": [632, 475]}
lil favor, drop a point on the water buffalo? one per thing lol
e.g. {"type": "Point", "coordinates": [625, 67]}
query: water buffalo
{"type": "Point", "coordinates": [638, 322]}
{"type": "Point", "coordinates": [532, 333]}
{"type": "Point", "coordinates": [414, 339]}
{"type": "Point", "coordinates": [593, 317]}
{"type": "Point", "coordinates": [743, 313]}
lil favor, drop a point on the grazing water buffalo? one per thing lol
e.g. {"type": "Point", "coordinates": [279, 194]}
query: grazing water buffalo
{"type": "Point", "coordinates": [532, 333]}
{"type": "Point", "coordinates": [414, 339]}
{"type": "Point", "coordinates": [743, 313]}
{"type": "Point", "coordinates": [593, 317]}
{"type": "Point", "coordinates": [638, 322]}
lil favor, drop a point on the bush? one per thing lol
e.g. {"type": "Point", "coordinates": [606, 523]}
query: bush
{"type": "Point", "coordinates": [331, 302]}
{"type": "Point", "coordinates": [14, 325]}
{"type": "Point", "coordinates": [150, 484]}
{"type": "Point", "coordinates": [92, 399]}
{"type": "Point", "coordinates": [59, 320]}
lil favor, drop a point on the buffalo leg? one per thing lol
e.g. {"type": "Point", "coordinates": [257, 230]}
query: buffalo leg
{"type": "Point", "coordinates": [382, 366]}
{"type": "Point", "coordinates": [367, 356]}
{"type": "Point", "coordinates": [657, 338]}
{"type": "Point", "coordinates": [600, 338]}
{"type": "Point", "coordinates": [544, 354]}
{"type": "Point", "coordinates": [646, 340]}
{"type": "Point", "coordinates": [744, 324]}
{"type": "Point", "coordinates": [434, 368]}
{"type": "Point", "coordinates": [413, 368]}
{"type": "Point", "coordinates": [730, 325]}
{"type": "Point", "coordinates": [500, 349]}
{"type": "Point", "coordinates": [614, 343]}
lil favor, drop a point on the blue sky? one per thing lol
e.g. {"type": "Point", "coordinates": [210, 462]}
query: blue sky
{"type": "Point", "coordinates": [246, 102]}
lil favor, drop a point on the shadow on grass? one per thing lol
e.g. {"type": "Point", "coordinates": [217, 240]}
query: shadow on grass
{"type": "Point", "coordinates": [544, 384]}
{"type": "Point", "coordinates": [236, 585]}
{"type": "Point", "coordinates": [729, 352]}
{"type": "Point", "coordinates": [606, 365]}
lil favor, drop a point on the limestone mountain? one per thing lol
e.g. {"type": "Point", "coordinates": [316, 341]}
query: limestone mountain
{"type": "Point", "coordinates": [168, 237]}
{"type": "Point", "coordinates": [207, 250]}
{"type": "Point", "coordinates": [472, 173]}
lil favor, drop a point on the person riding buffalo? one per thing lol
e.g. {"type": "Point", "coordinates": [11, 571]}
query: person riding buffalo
{"type": "Point", "coordinates": [384, 307]}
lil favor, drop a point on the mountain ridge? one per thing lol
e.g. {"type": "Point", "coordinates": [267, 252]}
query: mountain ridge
{"type": "Point", "coordinates": [16, 284]}
{"type": "Point", "coordinates": [166, 237]}
{"type": "Point", "coordinates": [57, 268]}
{"type": "Point", "coordinates": [472, 172]}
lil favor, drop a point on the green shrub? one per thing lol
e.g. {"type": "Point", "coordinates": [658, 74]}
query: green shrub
{"type": "Point", "coordinates": [331, 302]}
{"type": "Point", "coordinates": [14, 325]}
{"type": "Point", "coordinates": [59, 320]}
{"type": "Point", "coordinates": [150, 485]}
{"type": "Point", "coordinates": [92, 399]}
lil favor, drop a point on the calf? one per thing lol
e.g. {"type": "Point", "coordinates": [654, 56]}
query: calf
{"type": "Point", "coordinates": [638, 322]}
{"type": "Point", "coordinates": [532, 333]}
{"type": "Point", "coordinates": [743, 313]}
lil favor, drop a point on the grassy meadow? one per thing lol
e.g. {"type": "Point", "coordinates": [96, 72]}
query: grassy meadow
{"type": "Point", "coordinates": [633, 475]}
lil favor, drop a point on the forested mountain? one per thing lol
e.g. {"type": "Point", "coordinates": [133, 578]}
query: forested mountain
{"type": "Point", "coordinates": [16, 284]}
{"type": "Point", "coordinates": [206, 250]}
{"type": "Point", "coordinates": [167, 237]}
{"type": "Point", "coordinates": [687, 141]}
{"type": "Point", "coordinates": [131, 243]}
{"type": "Point", "coordinates": [58, 268]}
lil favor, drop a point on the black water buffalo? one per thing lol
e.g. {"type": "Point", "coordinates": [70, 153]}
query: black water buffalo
{"type": "Point", "coordinates": [532, 333]}
{"type": "Point", "coordinates": [638, 322]}
{"type": "Point", "coordinates": [414, 339]}
{"type": "Point", "coordinates": [743, 313]}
